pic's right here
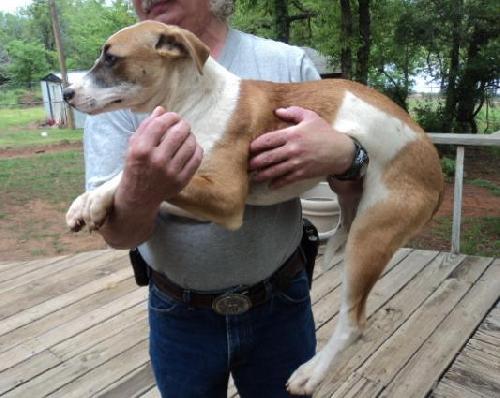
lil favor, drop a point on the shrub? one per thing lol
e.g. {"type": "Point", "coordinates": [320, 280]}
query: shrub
{"type": "Point", "coordinates": [448, 166]}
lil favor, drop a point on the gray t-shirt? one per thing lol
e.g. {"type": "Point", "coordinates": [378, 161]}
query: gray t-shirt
{"type": "Point", "coordinates": [204, 256]}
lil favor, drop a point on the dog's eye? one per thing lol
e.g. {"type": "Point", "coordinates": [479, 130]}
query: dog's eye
{"type": "Point", "coordinates": [110, 60]}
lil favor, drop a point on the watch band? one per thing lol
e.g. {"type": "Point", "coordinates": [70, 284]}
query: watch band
{"type": "Point", "coordinates": [358, 166]}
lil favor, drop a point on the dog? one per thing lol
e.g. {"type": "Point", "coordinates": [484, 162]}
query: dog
{"type": "Point", "coordinates": [151, 64]}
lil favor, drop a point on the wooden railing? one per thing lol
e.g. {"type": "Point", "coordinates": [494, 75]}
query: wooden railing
{"type": "Point", "coordinates": [461, 141]}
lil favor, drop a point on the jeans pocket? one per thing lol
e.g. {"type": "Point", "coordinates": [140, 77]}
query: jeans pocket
{"type": "Point", "coordinates": [297, 292]}
{"type": "Point", "coordinates": [161, 302]}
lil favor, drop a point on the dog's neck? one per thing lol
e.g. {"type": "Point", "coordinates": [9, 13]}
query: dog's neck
{"type": "Point", "coordinates": [205, 100]}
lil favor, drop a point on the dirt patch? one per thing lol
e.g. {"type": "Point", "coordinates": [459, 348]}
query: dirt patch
{"type": "Point", "coordinates": [38, 229]}
{"type": "Point", "coordinates": [35, 150]}
{"type": "Point", "coordinates": [477, 202]}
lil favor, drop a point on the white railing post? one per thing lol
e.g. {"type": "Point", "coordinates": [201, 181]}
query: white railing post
{"type": "Point", "coordinates": [457, 200]}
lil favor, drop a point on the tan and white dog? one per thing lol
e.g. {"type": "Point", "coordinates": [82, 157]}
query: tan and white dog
{"type": "Point", "coordinates": [151, 64]}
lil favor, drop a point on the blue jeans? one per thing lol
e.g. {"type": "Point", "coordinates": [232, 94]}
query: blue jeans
{"type": "Point", "coordinates": [193, 351]}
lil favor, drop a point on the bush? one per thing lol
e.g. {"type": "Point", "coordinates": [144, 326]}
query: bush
{"type": "Point", "coordinates": [448, 166]}
{"type": "Point", "coordinates": [16, 96]}
{"type": "Point", "coordinates": [429, 115]}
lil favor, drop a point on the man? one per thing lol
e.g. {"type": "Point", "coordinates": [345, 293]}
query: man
{"type": "Point", "coordinates": [193, 348]}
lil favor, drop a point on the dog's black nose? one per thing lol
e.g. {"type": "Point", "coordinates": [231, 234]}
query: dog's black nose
{"type": "Point", "coordinates": [68, 94]}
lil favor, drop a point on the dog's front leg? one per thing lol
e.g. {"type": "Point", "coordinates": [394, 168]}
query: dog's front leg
{"type": "Point", "coordinates": [92, 207]}
{"type": "Point", "coordinates": [219, 198]}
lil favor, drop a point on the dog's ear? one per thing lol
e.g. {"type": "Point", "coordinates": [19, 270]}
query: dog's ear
{"type": "Point", "coordinates": [181, 44]}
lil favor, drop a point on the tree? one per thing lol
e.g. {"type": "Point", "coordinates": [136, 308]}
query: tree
{"type": "Point", "coordinates": [363, 53]}
{"type": "Point", "coordinates": [346, 39]}
{"type": "Point", "coordinates": [27, 61]}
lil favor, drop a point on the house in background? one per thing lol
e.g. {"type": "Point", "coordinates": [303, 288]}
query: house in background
{"type": "Point", "coordinates": [323, 64]}
{"type": "Point", "coordinates": [55, 108]}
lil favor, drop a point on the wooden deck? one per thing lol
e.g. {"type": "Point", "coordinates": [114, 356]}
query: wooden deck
{"type": "Point", "coordinates": [76, 326]}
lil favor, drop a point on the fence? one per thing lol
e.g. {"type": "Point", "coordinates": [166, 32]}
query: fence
{"type": "Point", "coordinates": [460, 141]}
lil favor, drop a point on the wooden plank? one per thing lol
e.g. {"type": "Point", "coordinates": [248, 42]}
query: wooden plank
{"type": "Point", "coordinates": [78, 366]}
{"type": "Point", "coordinates": [97, 379]}
{"type": "Point", "coordinates": [153, 393]}
{"type": "Point", "coordinates": [47, 272]}
{"type": "Point", "coordinates": [392, 313]}
{"type": "Point", "coordinates": [399, 271]}
{"type": "Point", "coordinates": [32, 314]}
{"type": "Point", "coordinates": [85, 340]}
{"type": "Point", "coordinates": [67, 349]}
{"type": "Point", "coordinates": [65, 315]}
{"type": "Point", "coordinates": [465, 139]}
{"type": "Point", "coordinates": [14, 268]}
{"type": "Point", "coordinates": [475, 371]}
{"type": "Point", "coordinates": [12, 377]}
{"type": "Point", "coordinates": [331, 279]}
{"type": "Point", "coordinates": [38, 291]}
{"type": "Point", "coordinates": [135, 384]}
{"type": "Point", "coordinates": [424, 368]}
{"type": "Point", "coordinates": [46, 340]}
{"type": "Point", "coordinates": [457, 200]}
{"type": "Point", "coordinates": [398, 349]}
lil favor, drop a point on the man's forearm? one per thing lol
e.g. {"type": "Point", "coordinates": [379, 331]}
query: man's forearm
{"type": "Point", "coordinates": [126, 228]}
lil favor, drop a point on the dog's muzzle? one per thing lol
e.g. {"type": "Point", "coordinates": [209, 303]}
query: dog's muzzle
{"type": "Point", "coordinates": [68, 94]}
{"type": "Point", "coordinates": [232, 304]}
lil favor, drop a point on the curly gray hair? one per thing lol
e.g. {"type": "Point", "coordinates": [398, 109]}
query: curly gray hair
{"type": "Point", "coordinates": [222, 9]}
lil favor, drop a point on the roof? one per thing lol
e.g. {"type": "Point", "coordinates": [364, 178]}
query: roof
{"type": "Point", "coordinates": [73, 77]}
{"type": "Point", "coordinates": [322, 63]}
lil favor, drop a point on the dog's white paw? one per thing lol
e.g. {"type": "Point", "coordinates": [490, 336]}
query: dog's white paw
{"type": "Point", "coordinates": [306, 379]}
{"type": "Point", "coordinates": [90, 208]}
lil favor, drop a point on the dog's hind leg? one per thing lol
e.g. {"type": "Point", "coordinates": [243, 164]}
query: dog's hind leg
{"type": "Point", "coordinates": [376, 233]}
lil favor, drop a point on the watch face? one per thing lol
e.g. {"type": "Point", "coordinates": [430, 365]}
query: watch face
{"type": "Point", "coordinates": [358, 166]}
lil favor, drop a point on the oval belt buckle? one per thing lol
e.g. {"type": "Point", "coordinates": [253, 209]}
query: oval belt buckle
{"type": "Point", "coordinates": [232, 304]}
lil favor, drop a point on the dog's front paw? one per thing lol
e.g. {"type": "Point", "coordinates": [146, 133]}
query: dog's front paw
{"type": "Point", "coordinates": [91, 209]}
{"type": "Point", "coordinates": [306, 379]}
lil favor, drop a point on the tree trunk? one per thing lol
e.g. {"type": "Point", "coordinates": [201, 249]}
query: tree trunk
{"type": "Point", "coordinates": [281, 20]}
{"type": "Point", "coordinates": [468, 92]}
{"type": "Point", "coordinates": [346, 39]}
{"type": "Point", "coordinates": [451, 91]}
{"type": "Point", "coordinates": [363, 54]}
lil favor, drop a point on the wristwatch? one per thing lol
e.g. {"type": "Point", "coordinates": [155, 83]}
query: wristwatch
{"type": "Point", "coordinates": [359, 164]}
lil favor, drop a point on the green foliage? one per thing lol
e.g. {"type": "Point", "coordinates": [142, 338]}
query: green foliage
{"type": "Point", "coordinates": [407, 38]}
{"type": "Point", "coordinates": [448, 166]}
{"type": "Point", "coordinates": [429, 115]}
{"type": "Point", "coordinates": [28, 61]}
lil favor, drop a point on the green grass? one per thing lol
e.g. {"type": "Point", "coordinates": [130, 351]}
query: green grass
{"type": "Point", "coordinates": [17, 130]}
{"type": "Point", "coordinates": [480, 236]}
{"type": "Point", "coordinates": [12, 96]}
{"type": "Point", "coordinates": [56, 178]}
{"type": "Point", "coordinates": [490, 186]}
{"type": "Point", "coordinates": [26, 138]}
{"type": "Point", "coordinates": [20, 117]}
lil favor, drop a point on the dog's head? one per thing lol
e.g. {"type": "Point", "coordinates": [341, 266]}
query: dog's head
{"type": "Point", "coordinates": [136, 68]}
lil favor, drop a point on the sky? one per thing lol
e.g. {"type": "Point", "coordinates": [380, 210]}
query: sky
{"type": "Point", "coordinates": [11, 5]}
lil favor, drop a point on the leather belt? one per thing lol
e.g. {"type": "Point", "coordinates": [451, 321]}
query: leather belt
{"type": "Point", "coordinates": [239, 299]}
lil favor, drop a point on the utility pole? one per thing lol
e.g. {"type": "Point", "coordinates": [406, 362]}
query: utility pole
{"type": "Point", "coordinates": [62, 59]}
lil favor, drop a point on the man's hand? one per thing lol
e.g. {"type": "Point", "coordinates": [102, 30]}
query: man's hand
{"type": "Point", "coordinates": [309, 148]}
{"type": "Point", "coordinates": [162, 158]}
